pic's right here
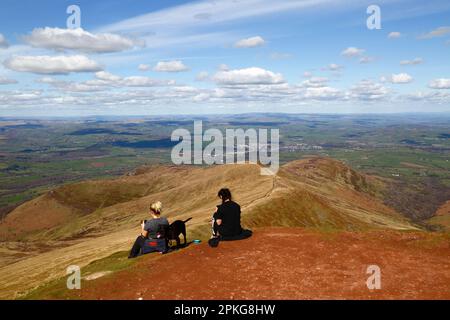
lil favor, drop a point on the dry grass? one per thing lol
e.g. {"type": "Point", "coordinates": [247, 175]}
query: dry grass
{"type": "Point", "coordinates": [98, 218]}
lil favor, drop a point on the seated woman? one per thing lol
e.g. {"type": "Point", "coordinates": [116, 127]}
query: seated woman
{"type": "Point", "coordinates": [150, 229]}
{"type": "Point", "coordinates": [227, 219]}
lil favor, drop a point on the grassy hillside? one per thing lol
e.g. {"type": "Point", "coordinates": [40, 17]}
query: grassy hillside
{"type": "Point", "coordinates": [83, 222]}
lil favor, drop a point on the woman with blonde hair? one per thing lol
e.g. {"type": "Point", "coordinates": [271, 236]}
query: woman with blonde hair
{"type": "Point", "coordinates": [150, 229]}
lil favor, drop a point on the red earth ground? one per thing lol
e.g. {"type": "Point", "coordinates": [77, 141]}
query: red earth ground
{"type": "Point", "coordinates": [289, 263]}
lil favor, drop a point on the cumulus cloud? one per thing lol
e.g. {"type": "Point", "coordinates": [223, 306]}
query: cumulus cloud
{"type": "Point", "coordinates": [400, 78]}
{"type": "Point", "coordinates": [315, 82]}
{"type": "Point", "coordinates": [69, 86]}
{"type": "Point", "coordinates": [367, 90]}
{"type": "Point", "coordinates": [144, 67]}
{"type": "Point", "coordinates": [223, 67]}
{"type": "Point", "coordinates": [202, 76]}
{"type": "Point", "coordinates": [78, 39]}
{"type": "Point", "coordinates": [248, 76]}
{"type": "Point", "coordinates": [106, 76]}
{"type": "Point", "coordinates": [136, 81]}
{"type": "Point", "coordinates": [430, 96]}
{"type": "Point", "coordinates": [439, 32]}
{"type": "Point", "coordinates": [351, 52]}
{"type": "Point", "coordinates": [394, 35]}
{"type": "Point", "coordinates": [3, 42]}
{"type": "Point", "coordinates": [440, 84]}
{"type": "Point", "coordinates": [52, 64]}
{"type": "Point", "coordinates": [250, 42]}
{"type": "Point", "coordinates": [105, 81]}
{"type": "Point", "coordinates": [4, 81]}
{"type": "Point", "coordinates": [411, 62]}
{"type": "Point", "coordinates": [322, 93]}
{"type": "Point", "coordinates": [170, 66]}
{"type": "Point", "coordinates": [132, 81]}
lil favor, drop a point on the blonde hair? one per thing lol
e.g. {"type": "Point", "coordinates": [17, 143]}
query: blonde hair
{"type": "Point", "coordinates": [156, 207]}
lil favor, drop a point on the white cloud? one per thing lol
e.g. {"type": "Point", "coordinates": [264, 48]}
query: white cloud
{"type": "Point", "coordinates": [400, 78]}
{"type": "Point", "coordinates": [366, 59]}
{"type": "Point", "coordinates": [78, 39]}
{"type": "Point", "coordinates": [170, 66]}
{"type": "Point", "coordinates": [202, 76]}
{"type": "Point", "coordinates": [315, 82]}
{"type": "Point", "coordinates": [440, 84]}
{"type": "Point", "coordinates": [69, 86]}
{"type": "Point", "coordinates": [52, 64]}
{"type": "Point", "coordinates": [137, 81]}
{"type": "Point", "coordinates": [394, 35]}
{"type": "Point", "coordinates": [105, 81]}
{"type": "Point", "coordinates": [248, 76]}
{"type": "Point", "coordinates": [429, 96]}
{"type": "Point", "coordinates": [106, 76]}
{"type": "Point", "coordinates": [351, 52]}
{"type": "Point", "coordinates": [411, 62]}
{"type": "Point", "coordinates": [223, 67]}
{"type": "Point", "coordinates": [144, 67]}
{"type": "Point", "coordinates": [367, 90]}
{"type": "Point", "coordinates": [439, 32]}
{"type": "Point", "coordinates": [250, 42]}
{"type": "Point", "coordinates": [4, 81]}
{"type": "Point", "coordinates": [322, 93]}
{"type": "Point", "coordinates": [3, 42]}
{"type": "Point", "coordinates": [170, 26]}
{"type": "Point", "coordinates": [334, 67]}
{"type": "Point", "coordinates": [307, 74]}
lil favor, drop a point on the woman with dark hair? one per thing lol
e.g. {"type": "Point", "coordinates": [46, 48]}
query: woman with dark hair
{"type": "Point", "coordinates": [226, 220]}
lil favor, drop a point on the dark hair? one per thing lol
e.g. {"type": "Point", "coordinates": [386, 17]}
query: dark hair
{"type": "Point", "coordinates": [224, 194]}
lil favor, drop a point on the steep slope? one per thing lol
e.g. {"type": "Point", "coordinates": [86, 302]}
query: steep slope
{"type": "Point", "coordinates": [442, 217]}
{"type": "Point", "coordinates": [327, 194]}
{"type": "Point", "coordinates": [99, 207]}
{"type": "Point", "coordinates": [94, 219]}
{"type": "Point", "coordinates": [280, 263]}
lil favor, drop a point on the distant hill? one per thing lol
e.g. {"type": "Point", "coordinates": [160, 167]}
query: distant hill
{"type": "Point", "coordinates": [317, 192]}
{"type": "Point", "coordinates": [82, 222]}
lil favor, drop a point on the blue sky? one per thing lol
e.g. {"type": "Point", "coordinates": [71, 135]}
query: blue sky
{"type": "Point", "coordinates": [183, 57]}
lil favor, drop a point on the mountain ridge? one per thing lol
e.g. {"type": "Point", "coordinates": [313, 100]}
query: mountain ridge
{"type": "Point", "coordinates": [94, 219]}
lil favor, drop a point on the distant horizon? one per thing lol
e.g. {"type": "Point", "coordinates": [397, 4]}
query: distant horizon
{"type": "Point", "coordinates": [272, 114]}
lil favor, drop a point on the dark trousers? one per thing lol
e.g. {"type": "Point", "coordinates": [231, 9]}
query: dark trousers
{"type": "Point", "coordinates": [137, 247]}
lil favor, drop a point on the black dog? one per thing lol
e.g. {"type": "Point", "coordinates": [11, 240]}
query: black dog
{"type": "Point", "coordinates": [175, 229]}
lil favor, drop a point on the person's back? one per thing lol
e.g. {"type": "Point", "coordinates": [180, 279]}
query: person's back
{"type": "Point", "coordinates": [153, 226]}
{"type": "Point", "coordinates": [150, 229]}
{"type": "Point", "coordinates": [230, 214]}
